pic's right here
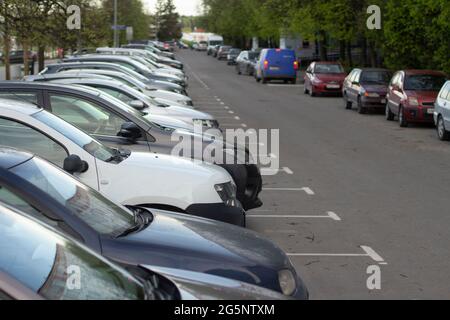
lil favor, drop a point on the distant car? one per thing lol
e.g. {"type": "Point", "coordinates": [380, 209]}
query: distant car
{"type": "Point", "coordinates": [412, 95]}
{"type": "Point", "coordinates": [366, 89]}
{"type": "Point", "coordinates": [16, 56]}
{"type": "Point", "coordinates": [213, 50]}
{"type": "Point", "coordinates": [202, 46]}
{"type": "Point", "coordinates": [324, 77]}
{"type": "Point", "coordinates": [137, 237]}
{"type": "Point", "coordinates": [152, 49]}
{"type": "Point", "coordinates": [277, 64]}
{"type": "Point", "coordinates": [232, 56]}
{"type": "Point", "coordinates": [246, 62]}
{"type": "Point", "coordinates": [442, 113]}
{"type": "Point", "coordinates": [223, 51]}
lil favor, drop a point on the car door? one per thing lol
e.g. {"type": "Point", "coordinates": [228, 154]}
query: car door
{"type": "Point", "coordinates": [444, 105]}
{"type": "Point", "coordinates": [355, 86]}
{"type": "Point", "coordinates": [37, 138]}
{"type": "Point", "coordinates": [96, 120]}
{"type": "Point", "coordinates": [396, 93]}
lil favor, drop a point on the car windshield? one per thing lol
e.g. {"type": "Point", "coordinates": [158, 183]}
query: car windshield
{"type": "Point", "coordinates": [375, 77]}
{"type": "Point", "coordinates": [253, 55]}
{"type": "Point", "coordinates": [329, 68]}
{"type": "Point", "coordinates": [90, 145]}
{"type": "Point", "coordinates": [424, 82]}
{"type": "Point", "coordinates": [57, 268]}
{"type": "Point", "coordinates": [96, 211]}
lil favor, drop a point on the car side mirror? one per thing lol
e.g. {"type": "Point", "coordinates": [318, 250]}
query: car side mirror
{"type": "Point", "coordinates": [130, 131]}
{"type": "Point", "coordinates": [137, 104]}
{"type": "Point", "coordinates": [74, 164]}
{"type": "Point", "coordinates": [356, 83]}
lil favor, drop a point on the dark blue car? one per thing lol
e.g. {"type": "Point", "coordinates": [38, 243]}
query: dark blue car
{"type": "Point", "coordinates": [135, 236]}
{"type": "Point", "coordinates": [277, 64]}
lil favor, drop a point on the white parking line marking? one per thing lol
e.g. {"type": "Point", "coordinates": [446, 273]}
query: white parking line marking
{"type": "Point", "coordinates": [308, 191]}
{"type": "Point", "coordinates": [287, 170]}
{"type": "Point", "coordinates": [231, 112]}
{"type": "Point", "coordinates": [222, 103]}
{"type": "Point", "coordinates": [243, 125]}
{"type": "Point", "coordinates": [330, 215]}
{"type": "Point", "coordinates": [369, 253]}
{"type": "Point", "coordinates": [227, 108]}
{"type": "Point", "coordinates": [237, 118]}
{"type": "Point", "coordinates": [197, 77]}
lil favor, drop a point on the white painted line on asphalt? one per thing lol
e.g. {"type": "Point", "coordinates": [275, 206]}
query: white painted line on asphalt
{"type": "Point", "coordinates": [197, 77]}
{"type": "Point", "coordinates": [369, 252]}
{"type": "Point", "coordinates": [308, 190]}
{"type": "Point", "coordinates": [237, 118]}
{"type": "Point", "coordinates": [227, 108]}
{"type": "Point", "coordinates": [222, 103]}
{"type": "Point", "coordinates": [243, 125]}
{"type": "Point", "coordinates": [330, 215]}
{"type": "Point", "coordinates": [218, 99]}
{"type": "Point", "coordinates": [231, 112]}
{"type": "Point", "coordinates": [287, 170]}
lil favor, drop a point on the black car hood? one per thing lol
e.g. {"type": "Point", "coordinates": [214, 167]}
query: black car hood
{"type": "Point", "coordinates": [184, 242]}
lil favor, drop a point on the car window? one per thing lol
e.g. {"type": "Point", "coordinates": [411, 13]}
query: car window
{"type": "Point", "coordinates": [424, 82]}
{"type": "Point", "coordinates": [395, 79]}
{"type": "Point", "coordinates": [116, 94]}
{"type": "Point", "coordinates": [17, 135]}
{"type": "Point", "coordinates": [445, 93]}
{"type": "Point", "coordinates": [86, 115]}
{"type": "Point", "coordinates": [355, 75]}
{"type": "Point", "coordinates": [21, 96]}
{"type": "Point", "coordinates": [56, 268]}
{"type": "Point", "coordinates": [90, 206]}
{"type": "Point", "coordinates": [375, 77]}
{"type": "Point", "coordinates": [328, 68]}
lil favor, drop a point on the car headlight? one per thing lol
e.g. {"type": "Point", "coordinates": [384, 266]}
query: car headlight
{"type": "Point", "coordinates": [227, 192]}
{"type": "Point", "coordinates": [413, 101]}
{"type": "Point", "coordinates": [287, 282]}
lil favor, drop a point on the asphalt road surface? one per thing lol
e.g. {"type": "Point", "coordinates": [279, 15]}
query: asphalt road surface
{"type": "Point", "coordinates": [377, 194]}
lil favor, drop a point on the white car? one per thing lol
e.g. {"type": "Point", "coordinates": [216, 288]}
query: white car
{"type": "Point", "coordinates": [131, 178]}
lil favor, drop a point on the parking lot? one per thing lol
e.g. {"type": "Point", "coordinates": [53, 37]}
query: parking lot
{"type": "Point", "coordinates": [353, 191]}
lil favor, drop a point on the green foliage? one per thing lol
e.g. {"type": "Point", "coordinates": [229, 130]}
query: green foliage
{"type": "Point", "coordinates": [167, 19]}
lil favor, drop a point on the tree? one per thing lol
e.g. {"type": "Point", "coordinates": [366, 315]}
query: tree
{"type": "Point", "coordinates": [167, 20]}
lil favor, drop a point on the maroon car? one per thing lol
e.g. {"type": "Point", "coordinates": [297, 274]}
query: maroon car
{"type": "Point", "coordinates": [324, 77]}
{"type": "Point", "coordinates": [366, 89]}
{"type": "Point", "coordinates": [412, 94]}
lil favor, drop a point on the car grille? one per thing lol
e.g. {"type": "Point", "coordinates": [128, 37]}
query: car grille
{"type": "Point", "coordinates": [428, 104]}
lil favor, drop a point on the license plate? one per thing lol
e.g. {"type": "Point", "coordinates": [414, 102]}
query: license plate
{"type": "Point", "coordinates": [333, 86]}
{"type": "Point", "coordinates": [383, 101]}
{"type": "Point", "coordinates": [430, 111]}
{"type": "Point", "coordinates": [274, 68]}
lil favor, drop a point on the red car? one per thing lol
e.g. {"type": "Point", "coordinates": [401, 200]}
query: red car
{"type": "Point", "coordinates": [324, 77]}
{"type": "Point", "coordinates": [412, 94]}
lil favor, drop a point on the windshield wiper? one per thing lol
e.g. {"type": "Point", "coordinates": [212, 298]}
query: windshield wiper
{"type": "Point", "coordinates": [142, 219]}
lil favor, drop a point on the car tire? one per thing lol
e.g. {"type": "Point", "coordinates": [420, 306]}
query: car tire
{"type": "Point", "coordinates": [401, 118]}
{"type": "Point", "coordinates": [348, 104]}
{"type": "Point", "coordinates": [361, 109]}
{"type": "Point", "coordinates": [311, 92]}
{"type": "Point", "coordinates": [264, 80]}
{"type": "Point", "coordinates": [305, 89]}
{"type": "Point", "coordinates": [443, 134]}
{"type": "Point", "coordinates": [389, 115]}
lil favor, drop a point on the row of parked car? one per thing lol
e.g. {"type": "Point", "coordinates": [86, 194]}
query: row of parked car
{"type": "Point", "coordinates": [93, 205]}
{"type": "Point", "coordinates": [411, 96]}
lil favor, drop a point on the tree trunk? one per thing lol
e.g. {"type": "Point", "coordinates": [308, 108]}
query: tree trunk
{"type": "Point", "coordinates": [349, 54]}
{"type": "Point", "coordinates": [372, 55]}
{"type": "Point", "coordinates": [41, 58]}
{"type": "Point", "coordinates": [26, 62]}
{"type": "Point", "coordinates": [6, 50]}
{"type": "Point", "coordinates": [342, 50]}
{"type": "Point", "coordinates": [323, 52]}
{"type": "Point", "coordinates": [363, 57]}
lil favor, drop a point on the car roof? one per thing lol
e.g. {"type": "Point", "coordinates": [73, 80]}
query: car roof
{"type": "Point", "coordinates": [327, 62]}
{"type": "Point", "coordinates": [24, 107]}
{"type": "Point", "coordinates": [10, 158]}
{"type": "Point", "coordinates": [46, 86]}
{"type": "Point", "coordinates": [101, 57]}
{"type": "Point", "coordinates": [428, 72]}
{"type": "Point", "coordinates": [83, 63]}
{"type": "Point", "coordinates": [65, 75]}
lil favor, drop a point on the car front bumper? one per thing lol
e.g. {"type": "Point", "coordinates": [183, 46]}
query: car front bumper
{"type": "Point", "coordinates": [219, 212]}
{"type": "Point", "coordinates": [419, 115]}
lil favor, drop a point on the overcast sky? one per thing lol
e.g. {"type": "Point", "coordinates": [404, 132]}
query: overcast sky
{"type": "Point", "coordinates": [184, 7]}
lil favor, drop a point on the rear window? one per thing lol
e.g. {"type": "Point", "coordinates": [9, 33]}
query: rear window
{"type": "Point", "coordinates": [329, 68]}
{"type": "Point", "coordinates": [283, 54]}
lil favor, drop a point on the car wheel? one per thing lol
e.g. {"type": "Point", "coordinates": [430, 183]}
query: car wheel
{"type": "Point", "coordinates": [401, 118]}
{"type": "Point", "coordinates": [239, 71]}
{"type": "Point", "coordinates": [361, 109]}
{"type": "Point", "coordinates": [348, 104]}
{"type": "Point", "coordinates": [443, 134]}
{"type": "Point", "coordinates": [305, 89]}
{"type": "Point", "coordinates": [311, 92]}
{"type": "Point", "coordinates": [389, 115]}
{"type": "Point", "coordinates": [264, 80]}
